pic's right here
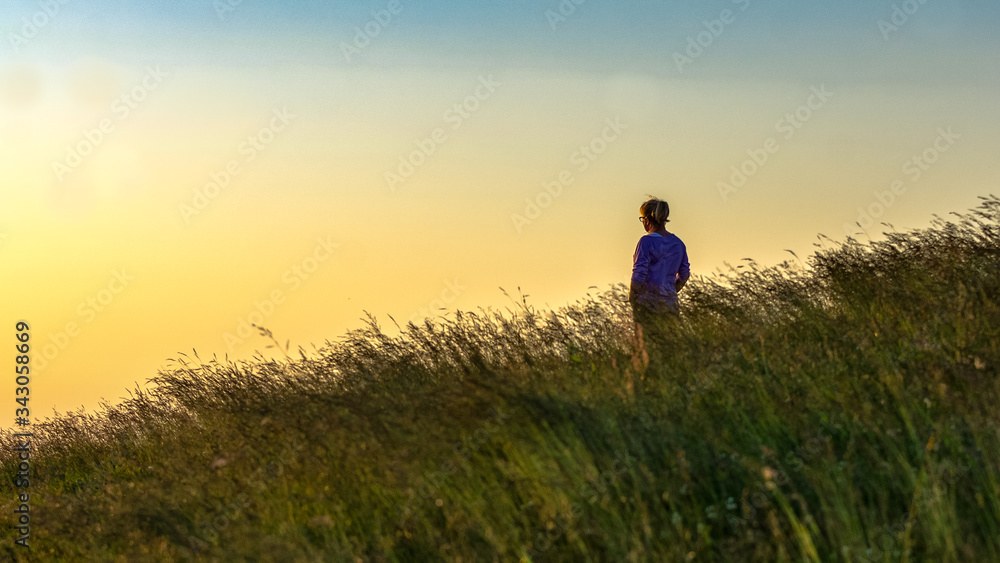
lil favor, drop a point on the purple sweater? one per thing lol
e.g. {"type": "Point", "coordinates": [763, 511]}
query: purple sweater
{"type": "Point", "coordinates": [658, 264]}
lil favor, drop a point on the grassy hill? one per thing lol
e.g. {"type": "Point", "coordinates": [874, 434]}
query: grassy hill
{"type": "Point", "coordinates": [846, 410]}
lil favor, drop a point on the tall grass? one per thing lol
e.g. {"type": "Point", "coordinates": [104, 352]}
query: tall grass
{"type": "Point", "coordinates": [843, 410]}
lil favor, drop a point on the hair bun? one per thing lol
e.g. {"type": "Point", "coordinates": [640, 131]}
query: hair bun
{"type": "Point", "coordinates": [656, 209]}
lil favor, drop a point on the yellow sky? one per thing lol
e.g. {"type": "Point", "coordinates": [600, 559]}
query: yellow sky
{"type": "Point", "coordinates": [116, 273]}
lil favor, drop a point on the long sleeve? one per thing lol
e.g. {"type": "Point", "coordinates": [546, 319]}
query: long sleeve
{"type": "Point", "coordinates": [640, 269]}
{"type": "Point", "coordinates": [684, 271]}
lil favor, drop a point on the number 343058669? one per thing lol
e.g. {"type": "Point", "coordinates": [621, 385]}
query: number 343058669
{"type": "Point", "coordinates": [22, 368]}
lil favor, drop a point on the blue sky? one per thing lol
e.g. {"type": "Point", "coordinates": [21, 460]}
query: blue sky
{"type": "Point", "coordinates": [768, 40]}
{"type": "Point", "coordinates": [325, 174]}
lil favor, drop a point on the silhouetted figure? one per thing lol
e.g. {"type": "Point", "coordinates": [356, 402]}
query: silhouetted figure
{"type": "Point", "coordinates": [660, 269]}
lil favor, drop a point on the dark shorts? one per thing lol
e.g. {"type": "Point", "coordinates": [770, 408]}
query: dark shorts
{"type": "Point", "coordinates": [655, 320]}
{"type": "Point", "coordinates": [646, 313]}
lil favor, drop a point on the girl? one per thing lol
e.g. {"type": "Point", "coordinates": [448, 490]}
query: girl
{"type": "Point", "coordinates": [660, 269]}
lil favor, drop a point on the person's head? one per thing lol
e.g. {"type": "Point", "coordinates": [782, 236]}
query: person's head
{"type": "Point", "coordinates": [654, 213]}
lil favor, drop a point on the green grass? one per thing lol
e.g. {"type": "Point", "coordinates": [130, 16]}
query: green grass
{"type": "Point", "coordinates": [845, 410]}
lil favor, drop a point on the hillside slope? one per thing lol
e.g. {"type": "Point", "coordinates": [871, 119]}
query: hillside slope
{"type": "Point", "coordinates": [847, 410]}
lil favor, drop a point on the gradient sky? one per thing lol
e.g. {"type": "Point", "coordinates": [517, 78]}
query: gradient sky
{"type": "Point", "coordinates": [183, 88]}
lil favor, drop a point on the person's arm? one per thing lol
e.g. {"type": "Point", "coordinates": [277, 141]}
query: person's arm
{"type": "Point", "coordinates": [683, 273]}
{"type": "Point", "coordinates": [640, 269]}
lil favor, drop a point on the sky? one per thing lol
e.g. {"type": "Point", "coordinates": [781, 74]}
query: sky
{"type": "Point", "coordinates": [176, 171]}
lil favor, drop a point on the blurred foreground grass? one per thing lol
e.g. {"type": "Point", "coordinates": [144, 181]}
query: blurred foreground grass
{"type": "Point", "coordinates": [843, 411]}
